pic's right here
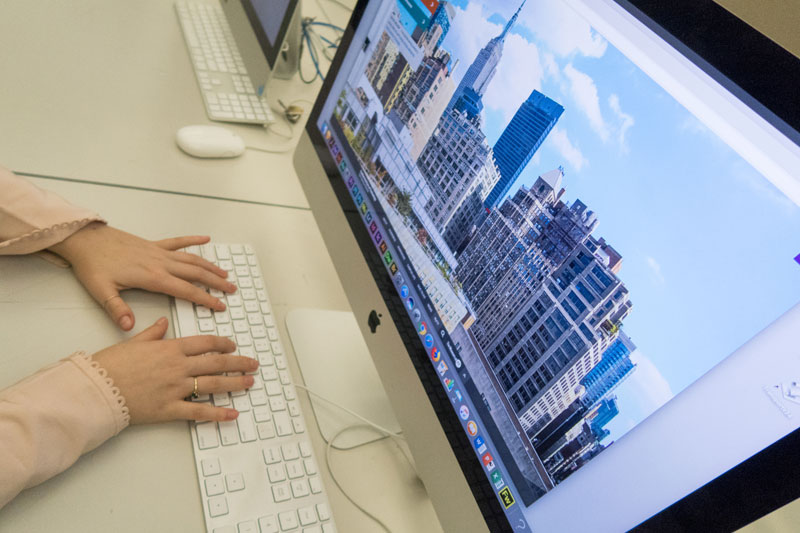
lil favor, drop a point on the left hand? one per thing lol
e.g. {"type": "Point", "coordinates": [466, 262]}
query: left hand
{"type": "Point", "coordinates": [106, 261]}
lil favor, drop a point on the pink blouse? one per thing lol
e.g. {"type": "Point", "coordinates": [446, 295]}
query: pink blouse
{"type": "Point", "coordinates": [42, 435]}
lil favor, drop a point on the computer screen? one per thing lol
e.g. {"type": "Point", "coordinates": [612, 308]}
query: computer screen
{"type": "Point", "coordinates": [270, 21]}
{"type": "Point", "coordinates": [597, 245]}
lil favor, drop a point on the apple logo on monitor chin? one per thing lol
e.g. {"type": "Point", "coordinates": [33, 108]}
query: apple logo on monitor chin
{"type": "Point", "coordinates": [373, 321]}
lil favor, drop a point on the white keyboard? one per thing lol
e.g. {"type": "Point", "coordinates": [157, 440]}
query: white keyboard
{"type": "Point", "coordinates": [257, 474]}
{"type": "Point", "coordinates": [228, 94]}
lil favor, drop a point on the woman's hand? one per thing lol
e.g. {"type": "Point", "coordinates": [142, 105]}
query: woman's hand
{"type": "Point", "coordinates": [106, 260]}
{"type": "Point", "coordinates": [154, 375]}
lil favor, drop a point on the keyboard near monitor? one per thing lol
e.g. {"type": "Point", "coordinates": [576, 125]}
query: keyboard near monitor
{"type": "Point", "coordinates": [257, 474]}
{"type": "Point", "coordinates": [228, 93]}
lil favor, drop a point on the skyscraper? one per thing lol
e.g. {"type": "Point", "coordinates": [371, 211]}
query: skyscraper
{"type": "Point", "coordinates": [483, 68]}
{"type": "Point", "coordinates": [612, 369]}
{"type": "Point", "coordinates": [519, 141]}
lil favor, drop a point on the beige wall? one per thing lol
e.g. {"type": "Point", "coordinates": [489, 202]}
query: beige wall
{"type": "Point", "coordinates": [777, 19]}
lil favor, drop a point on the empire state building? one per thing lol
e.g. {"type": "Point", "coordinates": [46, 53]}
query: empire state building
{"type": "Point", "coordinates": [482, 70]}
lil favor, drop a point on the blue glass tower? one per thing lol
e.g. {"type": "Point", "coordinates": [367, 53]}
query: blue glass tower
{"type": "Point", "coordinates": [519, 141]}
{"type": "Point", "coordinates": [615, 366]}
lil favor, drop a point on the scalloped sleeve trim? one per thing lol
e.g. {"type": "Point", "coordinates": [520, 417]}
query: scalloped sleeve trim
{"type": "Point", "coordinates": [99, 376]}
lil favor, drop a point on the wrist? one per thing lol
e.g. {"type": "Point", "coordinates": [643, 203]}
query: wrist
{"type": "Point", "coordinates": [69, 247]}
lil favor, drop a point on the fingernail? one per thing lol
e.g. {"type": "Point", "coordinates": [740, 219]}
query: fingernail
{"type": "Point", "coordinates": [248, 381]}
{"type": "Point", "coordinates": [125, 322]}
{"type": "Point", "coordinates": [231, 287]}
{"type": "Point", "coordinates": [253, 365]}
{"type": "Point", "coordinates": [231, 414]}
{"type": "Point", "coordinates": [161, 321]}
{"type": "Point", "coordinates": [220, 305]}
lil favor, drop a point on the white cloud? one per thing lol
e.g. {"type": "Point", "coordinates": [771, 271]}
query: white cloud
{"type": "Point", "coordinates": [647, 385]}
{"type": "Point", "coordinates": [655, 268]}
{"type": "Point", "coordinates": [624, 121]}
{"type": "Point", "coordinates": [562, 29]}
{"type": "Point", "coordinates": [583, 90]}
{"type": "Point", "coordinates": [559, 140]}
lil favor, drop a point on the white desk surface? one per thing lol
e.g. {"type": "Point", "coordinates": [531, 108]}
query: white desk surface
{"type": "Point", "coordinates": [145, 479]}
{"type": "Point", "coordinates": [96, 89]}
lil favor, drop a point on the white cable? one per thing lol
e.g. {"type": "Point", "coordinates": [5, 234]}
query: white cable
{"type": "Point", "coordinates": [369, 425]}
{"type": "Point", "coordinates": [271, 150]}
{"type": "Point", "coordinates": [343, 408]}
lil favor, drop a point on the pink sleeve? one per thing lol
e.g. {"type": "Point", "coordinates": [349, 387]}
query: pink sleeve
{"type": "Point", "coordinates": [50, 418]}
{"type": "Point", "coordinates": [32, 219]}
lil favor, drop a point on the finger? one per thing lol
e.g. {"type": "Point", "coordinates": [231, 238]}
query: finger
{"type": "Point", "coordinates": [196, 260]}
{"type": "Point", "coordinates": [201, 344]}
{"type": "Point", "coordinates": [176, 243]}
{"type": "Point", "coordinates": [217, 363]}
{"type": "Point", "coordinates": [119, 311]}
{"type": "Point", "coordinates": [153, 333]}
{"type": "Point", "coordinates": [202, 412]}
{"type": "Point", "coordinates": [189, 272]}
{"type": "Point", "coordinates": [219, 384]}
{"type": "Point", "coordinates": [179, 288]}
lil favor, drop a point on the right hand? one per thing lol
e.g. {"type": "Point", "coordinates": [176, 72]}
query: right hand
{"type": "Point", "coordinates": [155, 375]}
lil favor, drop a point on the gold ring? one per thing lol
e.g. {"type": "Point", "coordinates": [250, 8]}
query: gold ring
{"type": "Point", "coordinates": [105, 302]}
{"type": "Point", "coordinates": [194, 392]}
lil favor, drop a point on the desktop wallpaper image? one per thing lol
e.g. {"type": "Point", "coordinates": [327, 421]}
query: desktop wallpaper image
{"type": "Point", "coordinates": [588, 271]}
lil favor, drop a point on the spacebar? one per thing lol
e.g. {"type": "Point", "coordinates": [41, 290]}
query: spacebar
{"type": "Point", "coordinates": [186, 326]}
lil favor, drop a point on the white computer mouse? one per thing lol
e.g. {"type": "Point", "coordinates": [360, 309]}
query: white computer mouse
{"type": "Point", "coordinates": [209, 141]}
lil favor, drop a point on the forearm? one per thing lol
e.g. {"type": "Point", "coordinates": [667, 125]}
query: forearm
{"type": "Point", "coordinates": [32, 219]}
{"type": "Point", "coordinates": [48, 420]}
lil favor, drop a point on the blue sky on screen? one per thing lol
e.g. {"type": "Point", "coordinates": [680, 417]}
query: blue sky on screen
{"type": "Point", "coordinates": [708, 243]}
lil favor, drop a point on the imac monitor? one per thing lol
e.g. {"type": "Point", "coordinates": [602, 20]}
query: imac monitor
{"type": "Point", "coordinates": [572, 242]}
{"type": "Point", "coordinates": [268, 34]}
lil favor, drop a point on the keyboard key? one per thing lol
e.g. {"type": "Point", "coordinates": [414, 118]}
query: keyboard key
{"type": "Point", "coordinates": [290, 451]}
{"type": "Point", "coordinates": [244, 339]}
{"type": "Point", "coordinates": [298, 425]}
{"type": "Point", "coordinates": [206, 435]}
{"type": "Point", "coordinates": [300, 488]}
{"type": "Point", "coordinates": [262, 413]}
{"type": "Point", "coordinates": [251, 306]}
{"type": "Point", "coordinates": [272, 455]}
{"type": "Point", "coordinates": [323, 511]}
{"type": "Point", "coordinates": [277, 403]}
{"type": "Point", "coordinates": [217, 506]}
{"type": "Point", "coordinates": [214, 486]}
{"type": "Point", "coordinates": [221, 399]}
{"type": "Point", "coordinates": [248, 527]}
{"type": "Point", "coordinates": [307, 515]}
{"type": "Point", "coordinates": [288, 520]}
{"type": "Point", "coordinates": [265, 430]}
{"type": "Point", "coordinates": [237, 313]}
{"type": "Point", "coordinates": [254, 319]}
{"type": "Point", "coordinates": [305, 449]}
{"type": "Point", "coordinates": [234, 482]}
{"type": "Point", "coordinates": [247, 428]}
{"type": "Point", "coordinates": [276, 473]}
{"type": "Point", "coordinates": [258, 396]}
{"type": "Point", "coordinates": [316, 484]}
{"type": "Point", "coordinates": [294, 469]}
{"type": "Point", "coordinates": [240, 326]}
{"type": "Point", "coordinates": [229, 432]}
{"type": "Point", "coordinates": [273, 388]}
{"type": "Point", "coordinates": [241, 403]}
{"type": "Point", "coordinates": [294, 408]}
{"type": "Point", "coordinates": [206, 325]}
{"type": "Point", "coordinates": [226, 529]}
{"type": "Point", "coordinates": [311, 466]}
{"type": "Point", "coordinates": [225, 330]}
{"type": "Point", "coordinates": [283, 426]}
{"type": "Point", "coordinates": [268, 524]}
{"type": "Point", "coordinates": [281, 493]}
{"type": "Point", "coordinates": [210, 465]}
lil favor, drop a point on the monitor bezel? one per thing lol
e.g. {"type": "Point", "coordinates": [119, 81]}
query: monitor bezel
{"type": "Point", "coordinates": [715, 44]}
{"type": "Point", "coordinates": [271, 50]}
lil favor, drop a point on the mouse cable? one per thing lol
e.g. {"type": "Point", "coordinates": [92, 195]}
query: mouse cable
{"type": "Point", "coordinates": [368, 425]}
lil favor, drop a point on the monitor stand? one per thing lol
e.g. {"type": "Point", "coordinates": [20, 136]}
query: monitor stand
{"type": "Point", "coordinates": [334, 362]}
